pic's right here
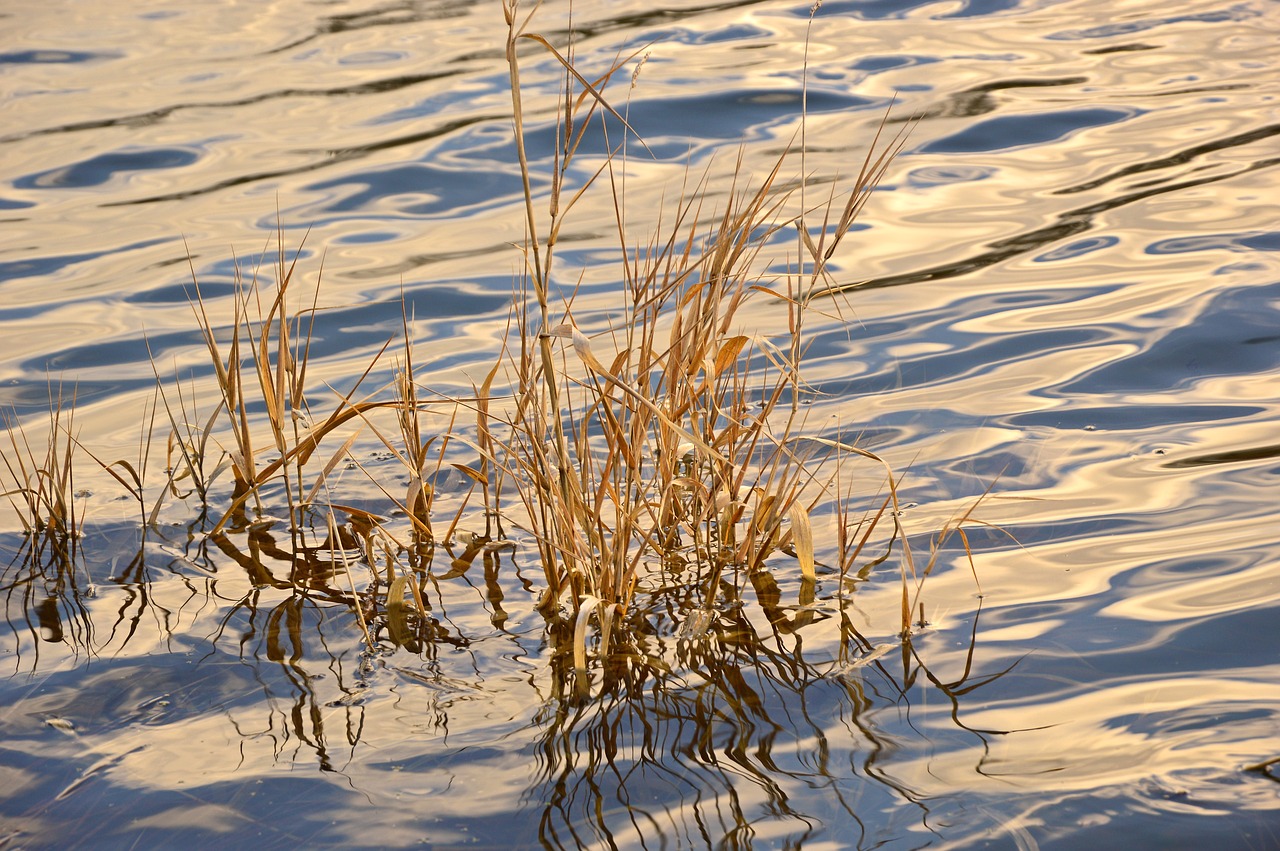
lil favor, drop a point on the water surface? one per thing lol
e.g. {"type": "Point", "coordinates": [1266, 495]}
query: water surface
{"type": "Point", "coordinates": [1066, 290]}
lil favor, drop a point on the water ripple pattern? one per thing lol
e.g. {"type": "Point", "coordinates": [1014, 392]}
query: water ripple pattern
{"type": "Point", "coordinates": [1066, 293]}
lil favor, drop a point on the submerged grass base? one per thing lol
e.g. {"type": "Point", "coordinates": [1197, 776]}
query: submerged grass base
{"type": "Point", "coordinates": [660, 464]}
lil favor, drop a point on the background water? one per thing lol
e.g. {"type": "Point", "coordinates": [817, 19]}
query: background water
{"type": "Point", "coordinates": [1068, 285]}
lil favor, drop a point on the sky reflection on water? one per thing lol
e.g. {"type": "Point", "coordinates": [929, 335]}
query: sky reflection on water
{"type": "Point", "coordinates": [1066, 286]}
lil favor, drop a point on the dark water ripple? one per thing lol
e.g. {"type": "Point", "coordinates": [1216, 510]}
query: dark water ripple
{"type": "Point", "coordinates": [102, 169]}
{"type": "Point", "coordinates": [1235, 334]}
{"type": "Point", "coordinates": [1238, 12]}
{"type": "Point", "coordinates": [1013, 131]}
{"type": "Point", "coordinates": [889, 9]}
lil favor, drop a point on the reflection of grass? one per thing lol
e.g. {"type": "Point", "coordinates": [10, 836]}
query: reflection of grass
{"type": "Point", "coordinates": [742, 736]}
{"type": "Point", "coordinates": [666, 458]}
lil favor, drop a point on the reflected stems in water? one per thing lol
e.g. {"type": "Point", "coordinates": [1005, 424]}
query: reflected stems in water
{"type": "Point", "coordinates": [733, 706]}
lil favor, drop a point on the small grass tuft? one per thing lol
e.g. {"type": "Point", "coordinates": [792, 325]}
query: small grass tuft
{"type": "Point", "coordinates": [43, 491]}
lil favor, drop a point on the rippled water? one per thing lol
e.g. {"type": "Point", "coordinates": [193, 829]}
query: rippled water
{"type": "Point", "coordinates": [1068, 285]}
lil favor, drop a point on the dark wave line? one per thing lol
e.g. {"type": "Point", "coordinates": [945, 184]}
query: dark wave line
{"type": "Point", "coordinates": [1069, 224]}
{"type": "Point", "coordinates": [143, 119]}
{"type": "Point", "coordinates": [338, 155]}
{"type": "Point", "coordinates": [1180, 158]}
{"type": "Point", "coordinates": [396, 16]}
{"type": "Point", "coordinates": [1231, 456]}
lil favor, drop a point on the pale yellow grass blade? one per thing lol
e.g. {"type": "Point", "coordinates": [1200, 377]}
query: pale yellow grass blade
{"type": "Point", "coordinates": [802, 536]}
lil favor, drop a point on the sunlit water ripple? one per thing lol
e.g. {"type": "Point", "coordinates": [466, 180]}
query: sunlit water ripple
{"type": "Point", "coordinates": [1066, 290]}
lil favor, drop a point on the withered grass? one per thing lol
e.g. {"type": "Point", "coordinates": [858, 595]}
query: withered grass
{"type": "Point", "coordinates": [670, 450]}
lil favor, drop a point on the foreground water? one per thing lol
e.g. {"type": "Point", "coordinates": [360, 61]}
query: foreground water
{"type": "Point", "coordinates": [1068, 287]}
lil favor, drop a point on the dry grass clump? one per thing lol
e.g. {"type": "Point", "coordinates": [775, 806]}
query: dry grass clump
{"type": "Point", "coordinates": [676, 438]}
{"type": "Point", "coordinates": [664, 455]}
{"type": "Point", "coordinates": [43, 489]}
